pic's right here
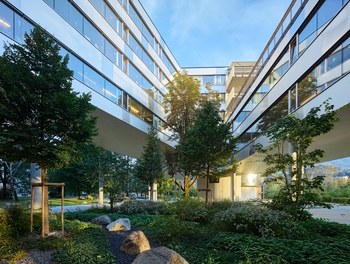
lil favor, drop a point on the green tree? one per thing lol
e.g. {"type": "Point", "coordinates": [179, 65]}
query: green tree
{"type": "Point", "coordinates": [289, 155]}
{"type": "Point", "coordinates": [149, 167]}
{"type": "Point", "coordinates": [207, 150]}
{"type": "Point", "coordinates": [42, 119]}
{"type": "Point", "coordinates": [181, 103]}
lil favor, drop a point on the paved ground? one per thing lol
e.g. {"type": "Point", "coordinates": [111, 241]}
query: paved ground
{"type": "Point", "coordinates": [339, 213]}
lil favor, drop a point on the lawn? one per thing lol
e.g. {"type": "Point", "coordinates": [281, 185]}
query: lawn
{"type": "Point", "coordinates": [221, 233]}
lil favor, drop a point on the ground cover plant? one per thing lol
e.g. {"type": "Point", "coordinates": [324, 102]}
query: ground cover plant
{"type": "Point", "coordinates": [198, 240]}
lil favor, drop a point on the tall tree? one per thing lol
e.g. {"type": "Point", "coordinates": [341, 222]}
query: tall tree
{"type": "Point", "coordinates": [181, 103]}
{"type": "Point", "coordinates": [289, 155]}
{"type": "Point", "coordinates": [149, 167]}
{"type": "Point", "coordinates": [207, 150]}
{"type": "Point", "coordinates": [42, 119]}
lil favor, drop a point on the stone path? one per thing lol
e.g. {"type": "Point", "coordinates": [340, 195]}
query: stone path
{"type": "Point", "coordinates": [339, 213]}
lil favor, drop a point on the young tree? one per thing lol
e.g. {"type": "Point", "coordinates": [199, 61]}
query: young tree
{"type": "Point", "coordinates": [42, 119]}
{"type": "Point", "coordinates": [289, 155]}
{"type": "Point", "coordinates": [149, 167]}
{"type": "Point", "coordinates": [181, 103]}
{"type": "Point", "coordinates": [207, 150]}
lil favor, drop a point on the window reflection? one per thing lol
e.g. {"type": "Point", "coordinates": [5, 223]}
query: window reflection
{"type": "Point", "coordinates": [22, 26]}
{"type": "Point", "coordinates": [6, 20]}
{"type": "Point", "coordinates": [93, 79]}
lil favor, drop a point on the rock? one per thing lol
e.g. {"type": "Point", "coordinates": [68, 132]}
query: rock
{"type": "Point", "coordinates": [101, 220]}
{"type": "Point", "coordinates": [159, 255]}
{"type": "Point", "coordinates": [121, 224]}
{"type": "Point", "coordinates": [135, 243]}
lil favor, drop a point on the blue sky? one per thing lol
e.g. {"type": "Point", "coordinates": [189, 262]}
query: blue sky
{"type": "Point", "coordinates": [215, 33]}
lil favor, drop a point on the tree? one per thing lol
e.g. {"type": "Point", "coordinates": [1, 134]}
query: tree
{"type": "Point", "coordinates": [42, 119]}
{"type": "Point", "coordinates": [207, 150]}
{"type": "Point", "coordinates": [149, 167]}
{"type": "Point", "coordinates": [289, 154]}
{"type": "Point", "coordinates": [181, 103]}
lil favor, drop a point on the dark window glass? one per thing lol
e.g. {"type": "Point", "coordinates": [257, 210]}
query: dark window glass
{"type": "Point", "coordinates": [6, 20]}
{"type": "Point", "coordinates": [76, 66]}
{"type": "Point", "coordinates": [307, 88]}
{"type": "Point", "coordinates": [22, 26]}
{"type": "Point", "coordinates": [293, 99]}
{"type": "Point", "coordinates": [125, 100]}
{"type": "Point", "coordinates": [135, 108]}
{"type": "Point", "coordinates": [93, 79]}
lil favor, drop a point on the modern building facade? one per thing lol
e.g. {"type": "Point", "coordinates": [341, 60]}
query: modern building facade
{"type": "Point", "coordinates": [118, 55]}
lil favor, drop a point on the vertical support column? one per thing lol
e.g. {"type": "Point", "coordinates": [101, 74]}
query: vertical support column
{"type": "Point", "coordinates": [62, 208]}
{"type": "Point", "coordinates": [35, 175]}
{"type": "Point", "coordinates": [31, 208]}
{"type": "Point", "coordinates": [42, 212]}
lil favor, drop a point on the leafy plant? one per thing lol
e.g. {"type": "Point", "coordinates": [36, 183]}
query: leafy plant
{"type": "Point", "coordinates": [140, 207]}
{"type": "Point", "coordinates": [189, 209]}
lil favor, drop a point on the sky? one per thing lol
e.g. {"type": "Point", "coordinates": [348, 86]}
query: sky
{"type": "Point", "coordinates": [215, 33]}
{"type": "Point", "coordinates": [203, 33]}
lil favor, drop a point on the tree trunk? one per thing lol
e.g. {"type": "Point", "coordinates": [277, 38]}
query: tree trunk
{"type": "Point", "coordinates": [4, 183]}
{"type": "Point", "coordinates": [186, 185]}
{"type": "Point", "coordinates": [45, 209]}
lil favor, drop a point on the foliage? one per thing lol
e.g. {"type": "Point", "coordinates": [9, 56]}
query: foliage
{"type": "Point", "coordinates": [44, 124]}
{"type": "Point", "coordinates": [218, 206]}
{"type": "Point", "coordinates": [167, 229]}
{"type": "Point", "coordinates": [252, 219]}
{"type": "Point", "coordinates": [180, 104]}
{"type": "Point", "coordinates": [207, 149]}
{"type": "Point", "coordinates": [189, 209]}
{"type": "Point", "coordinates": [140, 207]}
{"type": "Point", "coordinates": [149, 167]}
{"type": "Point", "coordinates": [288, 155]}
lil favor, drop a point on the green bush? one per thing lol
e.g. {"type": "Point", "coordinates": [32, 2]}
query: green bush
{"type": "Point", "coordinates": [216, 207]}
{"type": "Point", "coordinates": [189, 209]}
{"type": "Point", "coordinates": [86, 216]}
{"type": "Point", "coordinates": [141, 207]}
{"type": "Point", "coordinates": [252, 219]}
{"type": "Point", "coordinates": [166, 229]}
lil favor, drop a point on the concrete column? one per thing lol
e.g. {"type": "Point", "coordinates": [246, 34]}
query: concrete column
{"type": "Point", "coordinates": [35, 175]}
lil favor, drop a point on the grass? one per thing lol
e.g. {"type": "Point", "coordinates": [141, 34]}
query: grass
{"type": "Point", "coordinates": [25, 201]}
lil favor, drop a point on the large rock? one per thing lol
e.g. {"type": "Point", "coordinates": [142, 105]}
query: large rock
{"type": "Point", "coordinates": [121, 224]}
{"type": "Point", "coordinates": [135, 243]}
{"type": "Point", "coordinates": [101, 220]}
{"type": "Point", "coordinates": [159, 255]}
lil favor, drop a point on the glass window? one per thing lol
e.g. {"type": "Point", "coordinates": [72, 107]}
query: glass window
{"type": "Point", "coordinates": [22, 26]}
{"type": "Point", "coordinates": [147, 116]}
{"type": "Point", "coordinates": [145, 83]}
{"type": "Point", "coordinates": [93, 79]}
{"type": "Point", "coordinates": [135, 46]}
{"type": "Point", "coordinates": [111, 52]}
{"type": "Point", "coordinates": [168, 64]}
{"type": "Point", "coordinates": [50, 2]}
{"type": "Point", "coordinates": [307, 88]}
{"type": "Point", "coordinates": [76, 66]}
{"type": "Point", "coordinates": [346, 56]}
{"type": "Point", "coordinates": [76, 19]}
{"type": "Point", "coordinates": [208, 80]}
{"type": "Point", "coordinates": [148, 35]}
{"type": "Point", "coordinates": [327, 11]}
{"type": "Point", "coordinates": [307, 35]}
{"type": "Point", "coordinates": [114, 21]}
{"type": "Point", "coordinates": [62, 7]}
{"type": "Point", "coordinates": [293, 99]}
{"type": "Point", "coordinates": [6, 20]}
{"type": "Point", "coordinates": [113, 93]}
{"type": "Point", "coordinates": [93, 35]}
{"type": "Point", "coordinates": [134, 107]}
{"type": "Point", "coordinates": [148, 61]}
{"type": "Point", "coordinates": [125, 100]}
{"type": "Point", "coordinates": [135, 17]}
{"type": "Point", "coordinates": [135, 75]}
{"type": "Point", "coordinates": [99, 5]}
{"type": "Point", "coordinates": [125, 65]}
{"type": "Point", "coordinates": [219, 80]}
{"type": "Point", "coordinates": [334, 60]}
{"type": "Point", "coordinates": [293, 51]}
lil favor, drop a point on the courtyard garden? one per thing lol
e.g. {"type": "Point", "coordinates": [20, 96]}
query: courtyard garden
{"type": "Point", "coordinates": [222, 232]}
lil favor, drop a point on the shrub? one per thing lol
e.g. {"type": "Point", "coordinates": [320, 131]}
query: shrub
{"type": "Point", "coordinates": [252, 219]}
{"type": "Point", "coordinates": [166, 229]}
{"type": "Point", "coordinates": [189, 209]}
{"type": "Point", "coordinates": [141, 207]}
{"type": "Point", "coordinates": [18, 219]}
{"type": "Point", "coordinates": [219, 206]}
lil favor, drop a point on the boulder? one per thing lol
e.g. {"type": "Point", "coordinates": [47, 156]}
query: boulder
{"type": "Point", "coordinates": [121, 224]}
{"type": "Point", "coordinates": [101, 220]}
{"type": "Point", "coordinates": [159, 255]}
{"type": "Point", "coordinates": [135, 243]}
